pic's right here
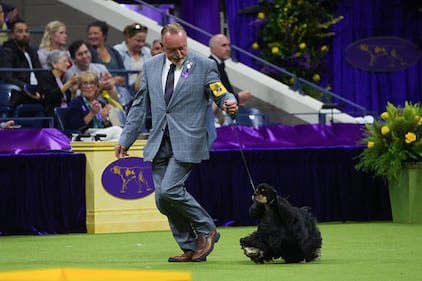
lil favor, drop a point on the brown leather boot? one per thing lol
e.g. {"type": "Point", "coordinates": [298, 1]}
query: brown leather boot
{"type": "Point", "coordinates": [185, 257]}
{"type": "Point", "coordinates": [205, 245]}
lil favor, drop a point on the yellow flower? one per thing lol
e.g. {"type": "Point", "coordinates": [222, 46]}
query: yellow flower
{"type": "Point", "coordinates": [371, 144]}
{"type": "Point", "coordinates": [255, 45]}
{"type": "Point", "coordinates": [384, 115]}
{"type": "Point", "coordinates": [316, 77]}
{"type": "Point", "coordinates": [291, 81]}
{"type": "Point", "coordinates": [418, 120]}
{"type": "Point", "coordinates": [261, 15]}
{"type": "Point", "coordinates": [275, 50]}
{"type": "Point", "coordinates": [410, 137]}
{"type": "Point", "coordinates": [302, 46]}
{"type": "Point", "coordinates": [324, 48]}
{"type": "Point", "coordinates": [385, 130]}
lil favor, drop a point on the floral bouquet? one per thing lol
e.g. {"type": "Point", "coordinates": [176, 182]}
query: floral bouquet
{"type": "Point", "coordinates": [393, 141]}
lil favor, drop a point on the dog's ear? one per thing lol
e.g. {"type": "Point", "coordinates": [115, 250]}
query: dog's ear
{"type": "Point", "coordinates": [285, 210]}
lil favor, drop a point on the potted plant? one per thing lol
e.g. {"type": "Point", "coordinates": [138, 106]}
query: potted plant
{"type": "Point", "coordinates": [394, 152]}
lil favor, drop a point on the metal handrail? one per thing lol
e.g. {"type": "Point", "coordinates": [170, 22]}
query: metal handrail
{"type": "Point", "coordinates": [298, 82]}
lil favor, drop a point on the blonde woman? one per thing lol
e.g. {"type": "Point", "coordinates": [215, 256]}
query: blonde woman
{"type": "Point", "coordinates": [54, 38]}
{"type": "Point", "coordinates": [88, 112]}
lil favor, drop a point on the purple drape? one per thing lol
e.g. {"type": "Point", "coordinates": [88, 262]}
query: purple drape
{"type": "Point", "coordinates": [362, 19]}
{"type": "Point", "coordinates": [42, 193]}
{"type": "Point", "coordinates": [203, 15]}
{"type": "Point", "coordinates": [32, 141]}
{"type": "Point", "coordinates": [376, 18]}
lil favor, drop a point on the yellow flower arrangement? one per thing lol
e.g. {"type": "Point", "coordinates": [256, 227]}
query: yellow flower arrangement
{"type": "Point", "coordinates": [392, 141]}
{"type": "Point", "coordinates": [295, 35]}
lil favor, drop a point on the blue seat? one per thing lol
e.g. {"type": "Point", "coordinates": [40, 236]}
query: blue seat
{"type": "Point", "coordinates": [251, 117]}
{"type": "Point", "coordinates": [61, 121]}
{"type": "Point", "coordinates": [5, 93]}
{"type": "Point", "coordinates": [30, 115]}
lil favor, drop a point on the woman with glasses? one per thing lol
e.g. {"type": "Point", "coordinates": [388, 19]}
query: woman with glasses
{"type": "Point", "coordinates": [90, 114]}
{"type": "Point", "coordinates": [133, 49]}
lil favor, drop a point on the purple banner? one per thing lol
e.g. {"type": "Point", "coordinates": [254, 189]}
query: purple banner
{"type": "Point", "coordinates": [280, 136]}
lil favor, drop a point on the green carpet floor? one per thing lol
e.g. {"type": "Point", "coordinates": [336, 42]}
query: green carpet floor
{"type": "Point", "coordinates": [351, 251]}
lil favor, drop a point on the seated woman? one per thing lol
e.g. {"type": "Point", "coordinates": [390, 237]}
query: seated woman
{"type": "Point", "coordinates": [87, 112]}
{"type": "Point", "coordinates": [57, 93]}
{"type": "Point", "coordinates": [133, 49]}
{"type": "Point", "coordinates": [54, 38]}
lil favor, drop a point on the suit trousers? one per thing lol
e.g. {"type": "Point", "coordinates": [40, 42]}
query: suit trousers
{"type": "Point", "coordinates": [187, 218]}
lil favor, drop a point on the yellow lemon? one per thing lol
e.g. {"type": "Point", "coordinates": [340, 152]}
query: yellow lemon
{"type": "Point", "coordinates": [385, 130]}
{"type": "Point", "coordinates": [384, 115]}
{"type": "Point", "coordinates": [316, 77]}
{"type": "Point", "coordinates": [261, 15]}
{"type": "Point", "coordinates": [275, 50]}
{"type": "Point", "coordinates": [255, 45]}
{"type": "Point", "coordinates": [302, 46]}
{"type": "Point", "coordinates": [410, 137]}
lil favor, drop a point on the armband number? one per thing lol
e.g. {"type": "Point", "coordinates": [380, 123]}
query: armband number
{"type": "Point", "coordinates": [217, 89]}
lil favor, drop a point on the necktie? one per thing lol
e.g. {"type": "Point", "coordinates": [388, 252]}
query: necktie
{"type": "Point", "coordinates": [169, 84]}
{"type": "Point", "coordinates": [224, 78]}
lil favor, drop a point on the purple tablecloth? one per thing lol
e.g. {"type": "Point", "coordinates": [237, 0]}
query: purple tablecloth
{"type": "Point", "coordinates": [20, 141]}
{"type": "Point", "coordinates": [280, 136]}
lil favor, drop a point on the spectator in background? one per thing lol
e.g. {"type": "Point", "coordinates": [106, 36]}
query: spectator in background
{"type": "Point", "coordinates": [133, 49]}
{"type": "Point", "coordinates": [156, 47]}
{"type": "Point", "coordinates": [10, 124]}
{"type": "Point", "coordinates": [57, 93]}
{"type": "Point", "coordinates": [220, 48]}
{"type": "Point", "coordinates": [17, 53]}
{"type": "Point", "coordinates": [81, 57]}
{"type": "Point", "coordinates": [87, 112]}
{"type": "Point", "coordinates": [105, 54]}
{"type": "Point", "coordinates": [54, 38]}
{"type": "Point", "coordinates": [4, 33]}
{"type": "Point", "coordinates": [11, 14]}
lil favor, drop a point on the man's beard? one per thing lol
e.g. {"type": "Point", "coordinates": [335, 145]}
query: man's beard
{"type": "Point", "coordinates": [23, 44]}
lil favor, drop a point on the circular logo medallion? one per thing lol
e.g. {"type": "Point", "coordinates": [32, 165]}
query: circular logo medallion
{"type": "Point", "coordinates": [128, 178]}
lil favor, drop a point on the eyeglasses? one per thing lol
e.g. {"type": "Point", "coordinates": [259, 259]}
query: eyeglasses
{"type": "Point", "coordinates": [88, 83]}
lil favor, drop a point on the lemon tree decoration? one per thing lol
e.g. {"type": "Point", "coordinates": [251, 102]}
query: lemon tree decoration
{"type": "Point", "coordinates": [295, 34]}
{"type": "Point", "coordinates": [393, 140]}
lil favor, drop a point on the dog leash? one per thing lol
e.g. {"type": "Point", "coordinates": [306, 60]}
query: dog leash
{"type": "Point", "coordinates": [234, 127]}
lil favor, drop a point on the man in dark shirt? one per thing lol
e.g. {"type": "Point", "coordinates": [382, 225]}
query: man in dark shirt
{"type": "Point", "coordinates": [17, 53]}
{"type": "Point", "coordinates": [220, 48]}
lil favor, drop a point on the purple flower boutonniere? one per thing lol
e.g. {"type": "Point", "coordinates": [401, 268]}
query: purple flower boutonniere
{"type": "Point", "coordinates": [185, 73]}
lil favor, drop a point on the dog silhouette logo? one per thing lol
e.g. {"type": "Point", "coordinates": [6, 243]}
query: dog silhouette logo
{"type": "Point", "coordinates": [128, 178]}
{"type": "Point", "coordinates": [382, 54]}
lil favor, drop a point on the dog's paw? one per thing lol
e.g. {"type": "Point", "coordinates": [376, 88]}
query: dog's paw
{"type": "Point", "coordinates": [254, 254]}
{"type": "Point", "coordinates": [317, 255]}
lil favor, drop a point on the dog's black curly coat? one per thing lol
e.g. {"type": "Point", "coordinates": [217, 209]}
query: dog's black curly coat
{"type": "Point", "coordinates": [284, 231]}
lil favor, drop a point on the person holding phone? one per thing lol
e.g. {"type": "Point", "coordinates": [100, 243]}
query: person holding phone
{"type": "Point", "coordinates": [17, 53]}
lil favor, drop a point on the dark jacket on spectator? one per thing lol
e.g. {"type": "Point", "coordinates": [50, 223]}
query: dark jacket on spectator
{"type": "Point", "coordinates": [12, 57]}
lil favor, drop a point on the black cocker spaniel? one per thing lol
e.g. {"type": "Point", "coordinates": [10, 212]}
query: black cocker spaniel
{"type": "Point", "coordinates": [284, 231]}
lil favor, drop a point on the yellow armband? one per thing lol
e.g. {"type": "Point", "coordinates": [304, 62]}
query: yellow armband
{"type": "Point", "coordinates": [217, 89]}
